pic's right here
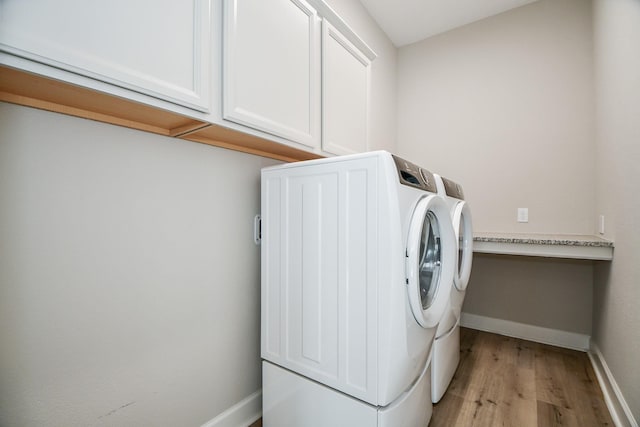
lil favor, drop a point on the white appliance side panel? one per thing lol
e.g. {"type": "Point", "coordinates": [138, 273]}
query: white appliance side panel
{"type": "Point", "coordinates": [271, 274]}
{"type": "Point", "coordinates": [449, 318]}
{"type": "Point", "coordinates": [457, 299]}
{"type": "Point", "coordinates": [312, 270]}
{"type": "Point", "coordinates": [411, 409]}
{"type": "Point", "coordinates": [291, 400]}
{"type": "Point", "coordinates": [446, 356]}
{"type": "Point", "coordinates": [357, 285]}
{"type": "Point", "coordinates": [323, 277]}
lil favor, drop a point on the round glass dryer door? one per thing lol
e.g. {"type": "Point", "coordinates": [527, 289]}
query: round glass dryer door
{"type": "Point", "coordinates": [464, 236]}
{"type": "Point", "coordinates": [431, 260]}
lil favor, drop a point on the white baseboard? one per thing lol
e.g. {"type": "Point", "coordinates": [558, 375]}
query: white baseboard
{"type": "Point", "coordinates": [618, 407]}
{"type": "Point", "coordinates": [539, 334]}
{"type": "Point", "coordinates": [242, 414]}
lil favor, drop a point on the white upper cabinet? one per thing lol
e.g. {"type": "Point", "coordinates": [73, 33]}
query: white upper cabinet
{"type": "Point", "coordinates": [294, 69]}
{"type": "Point", "coordinates": [345, 94]}
{"type": "Point", "coordinates": [160, 48]}
{"type": "Point", "coordinates": [271, 60]}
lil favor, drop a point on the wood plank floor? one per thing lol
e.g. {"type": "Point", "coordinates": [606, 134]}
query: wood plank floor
{"type": "Point", "coordinates": [503, 381]}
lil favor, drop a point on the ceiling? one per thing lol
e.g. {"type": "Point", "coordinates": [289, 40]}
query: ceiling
{"type": "Point", "coordinates": [408, 21]}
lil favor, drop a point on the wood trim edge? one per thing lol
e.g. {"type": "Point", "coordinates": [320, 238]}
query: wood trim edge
{"type": "Point", "coordinates": [187, 129]}
{"type": "Point", "coordinates": [78, 112]}
{"type": "Point", "coordinates": [236, 147]}
{"type": "Point", "coordinates": [45, 93]}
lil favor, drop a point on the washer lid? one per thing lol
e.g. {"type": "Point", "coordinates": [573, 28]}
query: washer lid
{"type": "Point", "coordinates": [463, 229]}
{"type": "Point", "coordinates": [430, 260]}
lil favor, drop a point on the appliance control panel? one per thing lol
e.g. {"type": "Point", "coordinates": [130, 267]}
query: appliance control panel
{"type": "Point", "coordinates": [453, 189]}
{"type": "Point", "coordinates": [414, 176]}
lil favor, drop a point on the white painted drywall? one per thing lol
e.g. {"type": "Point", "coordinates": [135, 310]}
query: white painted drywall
{"type": "Point", "coordinates": [550, 293]}
{"type": "Point", "coordinates": [505, 107]}
{"type": "Point", "coordinates": [538, 107]}
{"type": "Point", "coordinates": [616, 324]}
{"type": "Point", "coordinates": [409, 21]}
{"type": "Point", "coordinates": [129, 279]}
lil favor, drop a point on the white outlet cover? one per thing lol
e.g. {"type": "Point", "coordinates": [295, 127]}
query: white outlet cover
{"type": "Point", "coordinates": [523, 214]}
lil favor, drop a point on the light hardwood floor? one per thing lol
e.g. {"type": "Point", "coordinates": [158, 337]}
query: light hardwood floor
{"type": "Point", "coordinates": [503, 381]}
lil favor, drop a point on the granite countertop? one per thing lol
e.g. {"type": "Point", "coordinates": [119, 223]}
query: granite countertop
{"type": "Point", "coordinates": [542, 239]}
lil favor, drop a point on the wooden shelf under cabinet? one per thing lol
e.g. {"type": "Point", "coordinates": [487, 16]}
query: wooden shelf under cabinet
{"type": "Point", "coordinates": [31, 90]}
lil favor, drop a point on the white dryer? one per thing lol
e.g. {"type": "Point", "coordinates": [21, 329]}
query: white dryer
{"type": "Point", "coordinates": [446, 348]}
{"type": "Point", "coordinates": [357, 268]}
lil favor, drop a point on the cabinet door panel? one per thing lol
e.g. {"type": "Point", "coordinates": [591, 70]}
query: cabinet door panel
{"type": "Point", "coordinates": [271, 79]}
{"type": "Point", "coordinates": [157, 47]}
{"type": "Point", "coordinates": [345, 94]}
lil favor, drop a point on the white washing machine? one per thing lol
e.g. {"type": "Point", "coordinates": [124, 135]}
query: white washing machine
{"type": "Point", "coordinates": [446, 348]}
{"type": "Point", "coordinates": [357, 268]}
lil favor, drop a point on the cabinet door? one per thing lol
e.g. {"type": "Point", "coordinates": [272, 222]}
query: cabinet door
{"type": "Point", "coordinates": [156, 47]}
{"type": "Point", "coordinates": [345, 94]}
{"type": "Point", "coordinates": [271, 77]}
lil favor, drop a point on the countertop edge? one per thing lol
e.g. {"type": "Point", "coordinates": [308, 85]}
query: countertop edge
{"type": "Point", "coordinates": [544, 245]}
{"type": "Point", "coordinates": [550, 240]}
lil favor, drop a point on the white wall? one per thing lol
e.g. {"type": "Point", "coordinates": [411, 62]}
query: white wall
{"type": "Point", "coordinates": [550, 293]}
{"type": "Point", "coordinates": [538, 107]}
{"type": "Point", "coordinates": [129, 279]}
{"type": "Point", "coordinates": [504, 106]}
{"type": "Point", "coordinates": [616, 324]}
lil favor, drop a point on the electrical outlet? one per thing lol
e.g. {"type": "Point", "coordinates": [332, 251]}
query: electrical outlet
{"type": "Point", "coordinates": [523, 214]}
